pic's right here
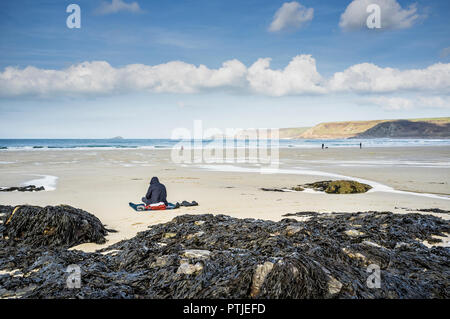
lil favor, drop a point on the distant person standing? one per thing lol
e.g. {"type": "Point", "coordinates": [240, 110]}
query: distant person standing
{"type": "Point", "coordinates": [360, 145]}
{"type": "Point", "coordinates": [323, 145]}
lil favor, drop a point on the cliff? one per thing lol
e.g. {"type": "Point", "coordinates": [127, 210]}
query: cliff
{"type": "Point", "coordinates": [413, 128]}
{"type": "Point", "coordinates": [407, 129]}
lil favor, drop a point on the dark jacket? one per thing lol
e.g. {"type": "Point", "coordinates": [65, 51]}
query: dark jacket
{"type": "Point", "coordinates": [156, 192]}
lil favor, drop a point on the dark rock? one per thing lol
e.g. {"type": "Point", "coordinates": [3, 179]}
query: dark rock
{"type": "Point", "coordinates": [50, 226]}
{"type": "Point", "coordinates": [339, 187]}
{"type": "Point", "coordinates": [433, 210]}
{"type": "Point", "coordinates": [330, 187]}
{"type": "Point", "coordinates": [246, 258]}
{"type": "Point", "coordinates": [296, 188]}
{"type": "Point", "coordinates": [29, 188]}
{"type": "Point", "coordinates": [272, 189]}
{"type": "Point", "coordinates": [301, 214]}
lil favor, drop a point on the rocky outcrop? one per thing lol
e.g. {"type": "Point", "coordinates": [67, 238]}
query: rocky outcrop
{"type": "Point", "coordinates": [50, 226]}
{"type": "Point", "coordinates": [330, 187]}
{"type": "Point", "coordinates": [339, 187]}
{"type": "Point", "coordinates": [29, 188]}
{"type": "Point", "coordinates": [327, 256]}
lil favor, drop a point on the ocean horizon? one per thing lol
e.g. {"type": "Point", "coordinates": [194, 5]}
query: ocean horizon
{"type": "Point", "coordinates": [51, 144]}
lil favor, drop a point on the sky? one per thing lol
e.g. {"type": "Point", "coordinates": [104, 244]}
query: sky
{"type": "Point", "coordinates": [140, 69]}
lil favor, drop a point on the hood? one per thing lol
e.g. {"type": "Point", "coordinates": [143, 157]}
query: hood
{"type": "Point", "coordinates": [154, 180]}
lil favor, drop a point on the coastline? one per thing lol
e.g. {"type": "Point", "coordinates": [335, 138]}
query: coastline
{"type": "Point", "coordinates": [14, 145]}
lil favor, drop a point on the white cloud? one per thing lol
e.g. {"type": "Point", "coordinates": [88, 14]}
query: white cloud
{"type": "Point", "coordinates": [393, 16]}
{"type": "Point", "coordinates": [291, 15]}
{"type": "Point", "coordinates": [300, 76]}
{"type": "Point", "coordinates": [401, 103]}
{"type": "Point", "coordinates": [433, 102]}
{"type": "Point", "coordinates": [392, 103]}
{"type": "Point", "coordinates": [118, 5]}
{"type": "Point", "coordinates": [370, 78]}
{"type": "Point", "coordinates": [99, 77]}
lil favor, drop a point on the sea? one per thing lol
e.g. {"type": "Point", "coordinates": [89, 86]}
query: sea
{"type": "Point", "coordinates": [89, 144]}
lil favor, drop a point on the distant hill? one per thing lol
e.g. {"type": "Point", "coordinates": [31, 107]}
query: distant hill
{"type": "Point", "coordinates": [412, 128]}
{"type": "Point", "coordinates": [338, 129]}
{"type": "Point", "coordinates": [407, 129]}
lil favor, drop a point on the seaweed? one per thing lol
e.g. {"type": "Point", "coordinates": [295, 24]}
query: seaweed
{"type": "Point", "coordinates": [329, 187]}
{"type": "Point", "coordinates": [433, 210]}
{"type": "Point", "coordinates": [339, 187]}
{"type": "Point", "coordinates": [29, 188]}
{"type": "Point", "coordinates": [217, 256]}
{"type": "Point", "coordinates": [272, 189]}
{"type": "Point", "coordinates": [50, 226]}
{"type": "Point", "coordinates": [301, 214]}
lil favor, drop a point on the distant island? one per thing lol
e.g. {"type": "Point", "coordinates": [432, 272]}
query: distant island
{"type": "Point", "coordinates": [116, 138]}
{"type": "Point", "coordinates": [408, 128]}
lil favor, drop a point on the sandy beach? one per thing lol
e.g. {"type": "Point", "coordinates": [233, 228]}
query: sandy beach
{"type": "Point", "coordinates": [102, 182]}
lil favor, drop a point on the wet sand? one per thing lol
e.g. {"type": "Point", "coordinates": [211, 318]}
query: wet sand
{"type": "Point", "coordinates": [102, 182]}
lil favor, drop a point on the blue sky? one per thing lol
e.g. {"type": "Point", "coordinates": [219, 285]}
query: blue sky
{"type": "Point", "coordinates": [34, 33]}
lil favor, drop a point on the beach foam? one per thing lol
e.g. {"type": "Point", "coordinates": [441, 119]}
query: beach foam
{"type": "Point", "coordinates": [48, 181]}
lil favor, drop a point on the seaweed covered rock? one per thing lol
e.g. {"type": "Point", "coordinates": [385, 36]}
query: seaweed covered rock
{"type": "Point", "coordinates": [50, 226]}
{"type": "Point", "coordinates": [339, 187]}
{"type": "Point", "coordinates": [330, 187]}
{"type": "Point", "coordinates": [326, 256]}
{"type": "Point", "coordinates": [29, 188]}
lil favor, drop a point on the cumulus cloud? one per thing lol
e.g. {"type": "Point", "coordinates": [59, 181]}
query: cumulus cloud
{"type": "Point", "coordinates": [118, 5]}
{"type": "Point", "coordinates": [291, 15]}
{"type": "Point", "coordinates": [393, 16]}
{"type": "Point", "coordinates": [391, 103]}
{"type": "Point", "coordinates": [401, 103]}
{"type": "Point", "coordinates": [300, 76]}
{"type": "Point", "coordinates": [370, 78]}
{"type": "Point", "coordinates": [100, 77]}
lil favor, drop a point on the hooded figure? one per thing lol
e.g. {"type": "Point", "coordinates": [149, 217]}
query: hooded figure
{"type": "Point", "coordinates": [156, 193]}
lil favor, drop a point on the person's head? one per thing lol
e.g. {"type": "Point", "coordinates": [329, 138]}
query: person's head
{"type": "Point", "coordinates": [154, 180]}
